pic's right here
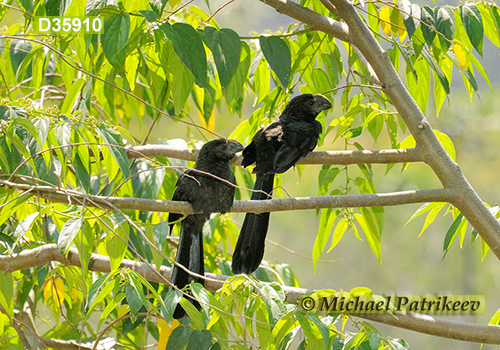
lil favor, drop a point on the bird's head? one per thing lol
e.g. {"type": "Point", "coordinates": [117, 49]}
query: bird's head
{"type": "Point", "coordinates": [221, 148]}
{"type": "Point", "coordinates": [307, 104]}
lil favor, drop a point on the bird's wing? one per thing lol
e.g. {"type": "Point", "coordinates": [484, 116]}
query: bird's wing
{"type": "Point", "coordinates": [301, 138]}
{"type": "Point", "coordinates": [186, 190]}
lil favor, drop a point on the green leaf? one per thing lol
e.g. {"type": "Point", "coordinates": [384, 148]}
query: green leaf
{"type": "Point", "coordinates": [420, 88]}
{"type": "Point", "coordinates": [277, 54]}
{"type": "Point", "coordinates": [119, 153]}
{"type": "Point", "coordinates": [445, 24]}
{"type": "Point", "coordinates": [133, 299]}
{"type": "Point", "coordinates": [431, 216]}
{"type": "Point", "coordinates": [114, 39]}
{"type": "Point", "coordinates": [160, 232]}
{"type": "Point", "coordinates": [470, 78]}
{"type": "Point", "coordinates": [68, 233]}
{"type": "Point", "coordinates": [112, 305]}
{"type": "Point", "coordinates": [225, 45]}
{"type": "Point", "coordinates": [374, 339]}
{"type": "Point", "coordinates": [287, 275]}
{"type": "Point", "coordinates": [24, 226]}
{"type": "Point", "coordinates": [81, 173]}
{"type": "Point", "coordinates": [189, 47]}
{"type": "Point", "coordinates": [428, 25]}
{"type": "Point", "coordinates": [171, 300]}
{"type": "Point", "coordinates": [7, 113]}
{"type": "Point", "coordinates": [437, 69]}
{"type": "Point", "coordinates": [367, 223]}
{"type": "Point", "coordinates": [481, 70]}
{"type": "Point", "coordinates": [179, 338]}
{"type": "Point", "coordinates": [352, 132]}
{"type": "Point", "coordinates": [447, 143]}
{"type": "Point", "coordinates": [53, 7]}
{"type": "Point", "coordinates": [440, 95]}
{"type": "Point", "coordinates": [451, 234]}
{"type": "Point", "coordinates": [93, 6]}
{"type": "Point", "coordinates": [194, 314]}
{"type": "Point", "coordinates": [326, 223]}
{"type": "Point", "coordinates": [7, 292]}
{"type": "Point", "coordinates": [325, 179]}
{"type": "Point", "coordinates": [473, 23]}
{"type": "Point", "coordinates": [323, 328]}
{"type": "Point", "coordinates": [200, 340]}
{"type": "Point", "coordinates": [411, 15]}
{"type": "Point", "coordinates": [236, 88]}
{"type": "Point", "coordinates": [491, 21]}
{"type": "Point", "coordinates": [29, 126]}
{"type": "Point", "coordinates": [262, 327]}
{"type": "Point", "coordinates": [8, 209]}
{"type": "Point", "coordinates": [150, 16]}
{"type": "Point", "coordinates": [85, 245]}
{"type": "Point", "coordinates": [399, 344]}
{"type": "Point", "coordinates": [158, 6]}
{"type": "Point", "coordinates": [96, 294]}
{"type": "Point", "coordinates": [28, 5]}
{"type": "Point", "coordinates": [338, 232]}
{"type": "Point", "coordinates": [406, 57]}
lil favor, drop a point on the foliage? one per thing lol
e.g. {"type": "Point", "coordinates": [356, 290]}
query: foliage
{"type": "Point", "coordinates": [68, 106]}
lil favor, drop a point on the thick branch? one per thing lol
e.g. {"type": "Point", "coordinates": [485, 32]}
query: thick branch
{"type": "Point", "coordinates": [311, 18]}
{"type": "Point", "coordinates": [385, 156]}
{"type": "Point", "coordinates": [248, 206]}
{"type": "Point", "coordinates": [416, 322]}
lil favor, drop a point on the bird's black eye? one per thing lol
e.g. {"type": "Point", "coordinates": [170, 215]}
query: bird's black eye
{"type": "Point", "coordinates": [311, 102]}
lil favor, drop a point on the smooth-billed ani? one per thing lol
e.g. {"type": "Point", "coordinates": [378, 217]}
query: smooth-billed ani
{"type": "Point", "coordinates": [207, 195]}
{"type": "Point", "coordinates": [275, 149]}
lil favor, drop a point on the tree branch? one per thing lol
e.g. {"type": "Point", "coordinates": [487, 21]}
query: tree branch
{"type": "Point", "coordinates": [311, 18]}
{"type": "Point", "coordinates": [427, 324]}
{"type": "Point", "coordinates": [242, 206]}
{"type": "Point", "coordinates": [385, 156]}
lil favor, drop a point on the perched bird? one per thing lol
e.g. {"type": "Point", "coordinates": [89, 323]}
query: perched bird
{"type": "Point", "coordinates": [275, 149]}
{"type": "Point", "coordinates": [207, 195]}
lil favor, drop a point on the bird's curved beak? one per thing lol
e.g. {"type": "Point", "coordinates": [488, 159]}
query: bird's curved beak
{"type": "Point", "coordinates": [234, 146]}
{"type": "Point", "coordinates": [322, 103]}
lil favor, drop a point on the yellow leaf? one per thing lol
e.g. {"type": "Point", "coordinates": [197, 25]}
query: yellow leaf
{"type": "Point", "coordinates": [211, 120]}
{"type": "Point", "coordinates": [402, 29]}
{"type": "Point", "coordinates": [74, 294]}
{"type": "Point", "coordinates": [58, 292]}
{"type": "Point", "coordinates": [164, 329]}
{"type": "Point", "coordinates": [55, 288]}
{"type": "Point", "coordinates": [47, 286]}
{"type": "Point", "coordinates": [385, 20]}
{"type": "Point", "coordinates": [123, 310]}
{"type": "Point", "coordinates": [461, 55]}
{"type": "Point", "coordinates": [131, 65]}
{"type": "Point", "coordinates": [173, 3]}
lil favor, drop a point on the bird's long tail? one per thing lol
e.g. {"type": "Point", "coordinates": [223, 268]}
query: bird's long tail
{"type": "Point", "coordinates": [249, 249]}
{"type": "Point", "coordinates": [189, 255]}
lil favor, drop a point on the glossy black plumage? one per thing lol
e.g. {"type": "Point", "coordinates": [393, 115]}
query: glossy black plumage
{"type": "Point", "coordinates": [275, 149]}
{"type": "Point", "coordinates": [207, 195]}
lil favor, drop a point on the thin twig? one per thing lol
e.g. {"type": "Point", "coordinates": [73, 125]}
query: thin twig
{"type": "Point", "coordinates": [216, 11]}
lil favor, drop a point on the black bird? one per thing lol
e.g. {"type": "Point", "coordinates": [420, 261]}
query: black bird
{"type": "Point", "coordinates": [275, 149]}
{"type": "Point", "coordinates": [207, 195]}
